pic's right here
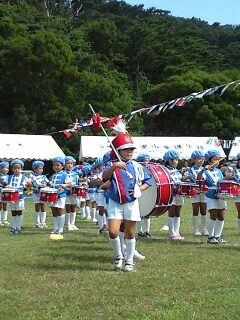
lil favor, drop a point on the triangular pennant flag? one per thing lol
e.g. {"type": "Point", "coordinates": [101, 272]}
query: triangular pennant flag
{"type": "Point", "coordinates": [174, 104]}
{"type": "Point", "coordinates": [161, 106]}
{"type": "Point", "coordinates": [67, 133]}
{"type": "Point", "coordinates": [228, 85]}
{"type": "Point", "coordinates": [212, 90]}
{"type": "Point", "coordinates": [169, 103]}
{"type": "Point", "coordinates": [191, 96]}
{"type": "Point", "coordinates": [181, 102]}
{"type": "Point", "coordinates": [238, 84]}
{"type": "Point", "coordinates": [152, 108]}
{"type": "Point", "coordinates": [202, 94]}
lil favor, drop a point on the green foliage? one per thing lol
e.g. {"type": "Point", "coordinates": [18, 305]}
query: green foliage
{"type": "Point", "coordinates": [56, 57]}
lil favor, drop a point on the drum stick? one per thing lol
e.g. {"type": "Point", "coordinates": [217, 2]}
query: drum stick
{"type": "Point", "coordinates": [129, 175]}
{"type": "Point", "coordinates": [211, 165]}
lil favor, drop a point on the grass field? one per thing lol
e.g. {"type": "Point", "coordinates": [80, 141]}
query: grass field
{"type": "Point", "coordinates": [73, 278]}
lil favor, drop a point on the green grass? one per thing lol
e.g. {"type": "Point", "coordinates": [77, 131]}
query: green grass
{"type": "Point", "coordinates": [73, 278]}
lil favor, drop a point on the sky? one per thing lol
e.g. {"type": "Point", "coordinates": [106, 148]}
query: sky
{"type": "Point", "coordinates": [222, 11]}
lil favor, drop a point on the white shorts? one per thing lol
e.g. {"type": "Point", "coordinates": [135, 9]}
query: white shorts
{"type": "Point", "coordinates": [201, 197]}
{"type": "Point", "coordinates": [36, 198]}
{"type": "Point", "coordinates": [92, 196]}
{"type": "Point", "coordinates": [71, 200]}
{"type": "Point", "coordinates": [236, 199]}
{"type": "Point", "coordinates": [58, 204]}
{"type": "Point", "coordinates": [216, 203]}
{"type": "Point", "coordinates": [177, 201]}
{"type": "Point", "coordinates": [127, 211]}
{"type": "Point", "coordinates": [17, 206]}
{"type": "Point", "coordinates": [101, 201]}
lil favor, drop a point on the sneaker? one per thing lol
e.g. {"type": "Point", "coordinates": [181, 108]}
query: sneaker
{"type": "Point", "coordinates": [179, 236]}
{"type": "Point", "coordinates": [176, 237]}
{"type": "Point", "coordinates": [138, 255]}
{"type": "Point", "coordinates": [88, 218]}
{"type": "Point", "coordinates": [6, 223]}
{"type": "Point", "coordinates": [220, 240]}
{"type": "Point", "coordinates": [129, 267]}
{"type": "Point", "coordinates": [39, 226]}
{"type": "Point", "coordinates": [197, 233]}
{"type": "Point", "coordinates": [118, 263]}
{"type": "Point", "coordinates": [141, 234]}
{"type": "Point", "coordinates": [205, 232]}
{"type": "Point", "coordinates": [212, 240]}
{"type": "Point", "coordinates": [70, 228]}
{"type": "Point", "coordinates": [75, 228]}
{"type": "Point", "coordinates": [147, 234]}
{"type": "Point", "coordinates": [165, 228]}
{"type": "Point", "coordinates": [44, 225]}
{"type": "Point", "coordinates": [95, 220]}
{"type": "Point", "coordinates": [105, 226]}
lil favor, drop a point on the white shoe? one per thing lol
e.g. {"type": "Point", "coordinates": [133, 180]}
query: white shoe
{"type": "Point", "coordinates": [88, 218]}
{"type": "Point", "coordinates": [70, 228]}
{"type": "Point", "coordinates": [129, 267]}
{"type": "Point", "coordinates": [205, 232]}
{"type": "Point", "coordinates": [94, 220]}
{"type": "Point", "coordinates": [138, 255]}
{"type": "Point", "coordinates": [1, 223]}
{"type": "Point", "coordinates": [118, 263]}
{"type": "Point", "coordinates": [197, 233]}
{"type": "Point", "coordinates": [75, 227]}
{"type": "Point", "coordinates": [165, 228]}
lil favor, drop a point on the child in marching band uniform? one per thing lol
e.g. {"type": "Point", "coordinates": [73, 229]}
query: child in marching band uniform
{"type": "Point", "coordinates": [144, 158]}
{"type": "Point", "coordinates": [216, 207]}
{"type": "Point", "coordinates": [4, 168]}
{"type": "Point", "coordinates": [84, 202]}
{"type": "Point", "coordinates": [71, 201]}
{"type": "Point", "coordinates": [18, 182]}
{"type": "Point", "coordinates": [236, 200]}
{"type": "Point", "coordinates": [60, 181]}
{"type": "Point", "coordinates": [38, 181]}
{"type": "Point", "coordinates": [198, 202]}
{"type": "Point", "coordinates": [171, 161]}
{"type": "Point", "coordinates": [128, 179]}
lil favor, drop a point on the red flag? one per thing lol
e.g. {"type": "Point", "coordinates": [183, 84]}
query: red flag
{"type": "Point", "coordinates": [112, 122]}
{"type": "Point", "coordinates": [96, 122]}
{"type": "Point", "coordinates": [67, 133]}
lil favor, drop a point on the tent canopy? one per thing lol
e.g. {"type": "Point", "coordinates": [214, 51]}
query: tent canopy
{"type": "Point", "coordinates": [235, 149]}
{"type": "Point", "coordinates": [28, 147]}
{"type": "Point", "coordinates": [97, 146]}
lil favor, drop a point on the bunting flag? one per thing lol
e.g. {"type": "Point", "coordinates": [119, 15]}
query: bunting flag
{"type": "Point", "coordinates": [96, 121]}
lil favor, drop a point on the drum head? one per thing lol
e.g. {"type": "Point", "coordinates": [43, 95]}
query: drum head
{"type": "Point", "coordinates": [147, 201]}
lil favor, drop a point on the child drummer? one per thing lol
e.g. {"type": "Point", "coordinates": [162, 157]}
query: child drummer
{"type": "Point", "coordinates": [4, 168]}
{"type": "Point", "coordinates": [38, 181]}
{"type": "Point", "coordinates": [199, 201]}
{"type": "Point", "coordinates": [17, 181]}
{"type": "Point", "coordinates": [128, 179]}
{"type": "Point", "coordinates": [60, 181]}
{"type": "Point", "coordinates": [216, 207]}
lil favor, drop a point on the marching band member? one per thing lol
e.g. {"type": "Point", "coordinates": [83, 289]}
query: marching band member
{"type": "Point", "coordinates": [38, 181]}
{"type": "Point", "coordinates": [4, 168]}
{"type": "Point", "coordinates": [71, 201]}
{"type": "Point", "coordinates": [236, 200]}
{"type": "Point", "coordinates": [216, 207]}
{"type": "Point", "coordinates": [60, 181]}
{"type": "Point", "coordinates": [84, 202]}
{"type": "Point", "coordinates": [93, 182]}
{"type": "Point", "coordinates": [171, 159]}
{"type": "Point", "coordinates": [128, 179]}
{"type": "Point", "coordinates": [198, 202]}
{"type": "Point", "coordinates": [17, 181]}
{"type": "Point", "coordinates": [144, 158]}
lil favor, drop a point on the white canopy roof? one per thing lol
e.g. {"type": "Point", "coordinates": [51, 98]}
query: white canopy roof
{"type": "Point", "coordinates": [235, 149]}
{"type": "Point", "coordinates": [97, 146]}
{"type": "Point", "coordinates": [28, 147]}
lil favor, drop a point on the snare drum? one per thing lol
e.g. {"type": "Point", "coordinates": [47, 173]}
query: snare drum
{"type": "Point", "coordinates": [202, 187]}
{"type": "Point", "coordinates": [228, 188]}
{"type": "Point", "coordinates": [79, 191]}
{"type": "Point", "coordinates": [187, 189]}
{"type": "Point", "coordinates": [158, 198]}
{"type": "Point", "coordinates": [49, 195]}
{"type": "Point", "coordinates": [10, 195]}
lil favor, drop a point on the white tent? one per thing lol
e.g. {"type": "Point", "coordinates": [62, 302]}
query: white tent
{"type": "Point", "coordinates": [235, 149]}
{"type": "Point", "coordinates": [97, 146]}
{"type": "Point", "coordinates": [28, 147]}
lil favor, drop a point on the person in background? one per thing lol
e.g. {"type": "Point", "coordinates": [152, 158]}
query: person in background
{"type": "Point", "coordinates": [211, 174]}
{"type": "Point", "coordinates": [143, 159]}
{"type": "Point", "coordinates": [38, 181]}
{"type": "Point", "coordinates": [18, 182]}
{"type": "Point", "coordinates": [171, 159]}
{"type": "Point", "coordinates": [236, 177]}
{"type": "Point", "coordinates": [199, 201]}
{"type": "Point", "coordinates": [60, 181]}
{"type": "Point", "coordinates": [4, 168]}
{"type": "Point", "coordinates": [71, 201]}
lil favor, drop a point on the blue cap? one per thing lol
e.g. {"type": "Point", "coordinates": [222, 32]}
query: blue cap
{"type": "Point", "coordinates": [59, 159]}
{"type": "Point", "coordinates": [238, 156]}
{"type": "Point", "coordinates": [211, 153]}
{"type": "Point", "coordinates": [86, 169]}
{"type": "Point", "coordinates": [4, 164]}
{"type": "Point", "coordinates": [107, 157]}
{"type": "Point", "coordinates": [197, 154]}
{"type": "Point", "coordinates": [70, 158]}
{"type": "Point", "coordinates": [17, 161]}
{"type": "Point", "coordinates": [37, 163]}
{"type": "Point", "coordinates": [143, 156]}
{"type": "Point", "coordinates": [170, 155]}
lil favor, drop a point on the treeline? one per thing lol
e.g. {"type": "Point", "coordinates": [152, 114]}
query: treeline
{"type": "Point", "coordinates": [57, 56]}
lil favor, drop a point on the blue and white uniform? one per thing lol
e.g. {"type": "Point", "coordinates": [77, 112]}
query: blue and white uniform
{"type": "Point", "coordinates": [236, 178]}
{"type": "Point", "coordinates": [72, 177]}
{"type": "Point", "coordinates": [56, 180]}
{"type": "Point", "coordinates": [38, 181]}
{"type": "Point", "coordinates": [177, 178]}
{"type": "Point", "coordinates": [194, 170]}
{"type": "Point", "coordinates": [123, 203]}
{"type": "Point", "coordinates": [18, 182]}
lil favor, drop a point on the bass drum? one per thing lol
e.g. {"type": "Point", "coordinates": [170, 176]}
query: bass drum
{"type": "Point", "coordinates": [156, 199]}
